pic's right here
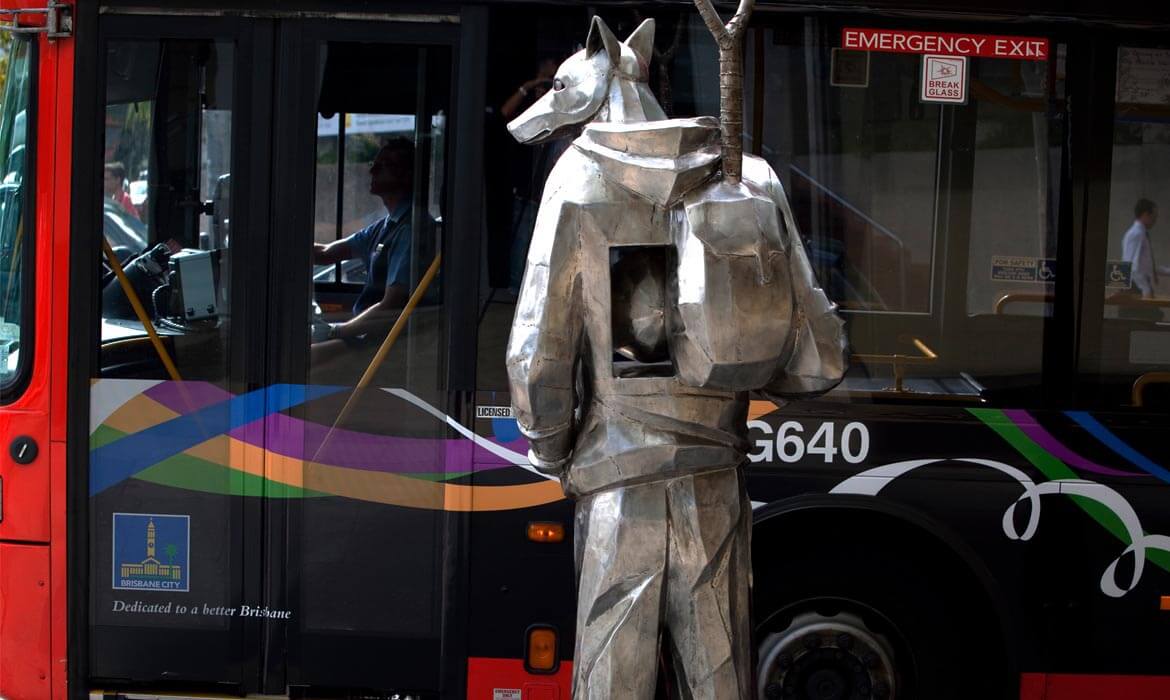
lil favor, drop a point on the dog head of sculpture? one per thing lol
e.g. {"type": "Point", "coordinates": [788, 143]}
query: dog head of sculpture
{"type": "Point", "coordinates": [606, 80]}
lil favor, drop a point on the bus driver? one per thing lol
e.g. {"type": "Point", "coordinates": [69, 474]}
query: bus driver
{"type": "Point", "coordinates": [384, 248]}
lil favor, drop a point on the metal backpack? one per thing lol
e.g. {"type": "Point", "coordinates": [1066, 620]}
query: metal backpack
{"type": "Point", "coordinates": [731, 305]}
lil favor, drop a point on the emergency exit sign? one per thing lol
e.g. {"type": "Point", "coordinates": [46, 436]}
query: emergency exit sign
{"type": "Point", "coordinates": [1020, 48]}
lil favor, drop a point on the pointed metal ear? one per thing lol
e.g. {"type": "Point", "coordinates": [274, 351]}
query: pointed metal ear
{"type": "Point", "coordinates": [600, 37]}
{"type": "Point", "coordinates": [641, 41]}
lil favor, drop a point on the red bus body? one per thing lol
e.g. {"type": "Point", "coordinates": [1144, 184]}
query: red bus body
{"type": "Point", "coordinates": [45, 650]}
{"type": "Point", "coordinates": [34, 649]}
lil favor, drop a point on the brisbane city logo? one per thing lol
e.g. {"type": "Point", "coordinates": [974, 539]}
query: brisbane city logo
{"type": "Point", "coordinates": [152, 552]}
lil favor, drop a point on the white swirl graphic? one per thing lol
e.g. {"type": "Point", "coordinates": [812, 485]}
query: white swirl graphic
{"type": "Point", "coordinates": [511, 456]}
{"type": "Point", "coordinates": [872, 481]}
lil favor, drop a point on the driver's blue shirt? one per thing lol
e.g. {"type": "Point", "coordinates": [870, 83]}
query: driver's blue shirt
{"type": "Point", "coordinates": [384, 246]}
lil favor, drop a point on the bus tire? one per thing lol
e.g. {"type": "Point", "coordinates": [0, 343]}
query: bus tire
{"type": "Point", "coordinates": [863, 614]}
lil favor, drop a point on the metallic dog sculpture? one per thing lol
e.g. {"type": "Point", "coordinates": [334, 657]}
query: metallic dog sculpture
{"type": "Point", "coordinates": [661, 286]}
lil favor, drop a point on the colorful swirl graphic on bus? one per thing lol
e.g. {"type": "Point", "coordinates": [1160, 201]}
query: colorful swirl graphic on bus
{"type": "Point", "coordinates": [278, 442]}
{"type": "Point", "coordinates": [196, 436]}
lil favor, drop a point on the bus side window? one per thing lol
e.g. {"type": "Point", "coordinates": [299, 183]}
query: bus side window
{"type": "Point", "coordinates": [16, 244]}
{"type": "Point", "coordinates": [1132, 366]}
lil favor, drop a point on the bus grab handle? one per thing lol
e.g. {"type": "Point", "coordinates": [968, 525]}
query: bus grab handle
{"type": "Point", "coordinates": [1145, 380]}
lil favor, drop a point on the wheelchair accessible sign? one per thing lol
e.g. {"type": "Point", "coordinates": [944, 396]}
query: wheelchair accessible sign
{"type": "Point", "coordinates": [1015, 268]}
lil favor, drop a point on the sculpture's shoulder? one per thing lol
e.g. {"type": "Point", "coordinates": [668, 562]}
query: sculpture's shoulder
{"type": "Point", "coordinates": [574, 179]}
{"type": "Point", "coordinates": [657, 161]}
{"type": "Point", "coordinates": [759, 172]}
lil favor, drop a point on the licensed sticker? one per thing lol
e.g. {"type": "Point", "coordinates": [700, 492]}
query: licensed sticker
{"type": "Point", "coordinates": [493, 411]}
{"type": "Point", "coordinates": [506, 694]}
{"type": "Point", "coordinates": [152, 552]}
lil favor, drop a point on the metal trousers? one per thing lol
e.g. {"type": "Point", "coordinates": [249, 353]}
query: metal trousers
{"type": "Point", "coordinates": [671, 555]}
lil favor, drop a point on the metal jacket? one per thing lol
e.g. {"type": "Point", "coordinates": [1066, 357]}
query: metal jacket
{"type": "Point", "coordinates": [619, 188]}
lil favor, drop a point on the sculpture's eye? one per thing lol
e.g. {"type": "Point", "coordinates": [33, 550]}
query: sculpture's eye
{"type": "Point", "coordinates": [558, 84]}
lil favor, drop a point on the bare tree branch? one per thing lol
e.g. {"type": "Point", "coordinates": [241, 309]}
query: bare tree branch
{"type": "Point", "coordinates": [728, 38]}
{"type": "Point", "coordinates": [733, 30]}
{"type": "Point", "coordinates": [712, 20]}
{"type": "Point", "coordinates": [738, 24]}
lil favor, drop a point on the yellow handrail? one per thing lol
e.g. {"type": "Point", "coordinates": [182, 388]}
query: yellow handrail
{"type": "Point", "coordinates": [384, 350]}
{"type": "Point", "coordinates": [900, 361]}
{"type": "Point", "coordinates": [1021, 297]}
{"type": "Point", "coordinates": [140, 311]}
{"type": "Point", "coordinates": [1145, 380]}
{"type": "Point", "coordinates": [1042, 298]}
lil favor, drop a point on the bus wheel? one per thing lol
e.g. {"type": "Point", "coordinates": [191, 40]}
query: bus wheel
{"type": "Point", "coordinates": [827, 657]}
{"type": "Point", "coordinates": [871, 592]}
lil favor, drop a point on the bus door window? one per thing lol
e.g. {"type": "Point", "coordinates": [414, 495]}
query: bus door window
{"type": "Point", "coordinates": [377, 214]}
{"type": "Point", "coordinates": [166, 531]}
{"type": "Point", "coordinates": [364, 561]}
{"type": "Point", "coordinates": [1133, 364]}
{"type": "Point", "coordinates": [165, 221]}
{"type": "Point", "coordinates": [15, 243]}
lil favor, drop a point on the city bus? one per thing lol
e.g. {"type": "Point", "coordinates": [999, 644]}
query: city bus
{"type": "Point", "coordinates": [208, 490]}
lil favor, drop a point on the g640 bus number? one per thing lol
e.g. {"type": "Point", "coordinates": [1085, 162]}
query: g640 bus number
{"type": "Point", "coordinates": [790, 443]}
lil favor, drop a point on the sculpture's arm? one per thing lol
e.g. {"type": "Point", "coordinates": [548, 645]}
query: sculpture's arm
{"type": "Point", "coordinates": [546, 337]}
{"type": "Point", "coordinates": [819, 357]}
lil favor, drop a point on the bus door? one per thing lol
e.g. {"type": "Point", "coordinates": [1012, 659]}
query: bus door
{"type": "Point", "coordinates": [366, 534]}
{"type": "Point", "coordinates": [269, 459]}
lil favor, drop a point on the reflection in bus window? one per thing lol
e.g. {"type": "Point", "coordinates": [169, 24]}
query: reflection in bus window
{"type": "Point", "coordinates": [15, 246]}
{"type": "Point", "coordinates": [861, 176]}
{"type": "Point", "coordinates": [165, 204]}
{"type": "Point", "coordinates": [344, 203]}
{"type": "Point", "coordinates": [377, 214]}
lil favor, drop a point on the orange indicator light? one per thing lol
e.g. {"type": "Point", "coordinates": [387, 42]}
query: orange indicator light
{"type": "Point", "coordinates": [546, 532]}
{"type": "Point", "coordinates": [1165, 603]}
{"type": "Point", "coordinates": [541, 656]}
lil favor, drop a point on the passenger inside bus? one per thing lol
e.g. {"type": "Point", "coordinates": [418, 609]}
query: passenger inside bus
{"type": "Point", "coordinates": [115, 187]}
{"type": "Point", "coordinates": [1144, 270]}
{"type": "Point", "coordinates": [383, 248]}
